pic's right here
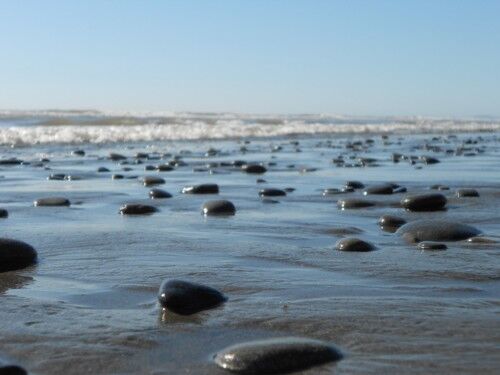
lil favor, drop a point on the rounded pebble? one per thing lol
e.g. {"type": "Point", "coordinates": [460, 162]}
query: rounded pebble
{"type": "Point", "coordinates": [354, 244]}
{"type": "Point", "coordinates": [467, 193]}
{"type": "Point", "coordinates": [159, 194]}
{"type": "Point", "coordinates": [152, 180]}
{"type": "Point", "coordinates": [15, 254]}
{"type": "Point", "coordinates": [187, 298]}
{"type": "Point", "coordinates": [218, 208]}
{"type": "Point", "coordinates": [424, 202]}
{"type": "Point", "coordinates": [4, 213]}
{"type": "Point", "coordinates": [382, 189]}
{"type": "Point", "coordinates": [391, 221]}
{"type": "Point", "coordinates": [276, 356]}
{"type": "Point", "coordinates": [52, 201]}
{"type": "Point", "coordinates": [436, 230]}
{"type": "Point", "coordinates": [272, 193]}
{"type": "Point", "coordinates": [201, 189]}
{"type": "Point", "coordinates": [354, 203]}
{"type": "Point", "coordinates": [429, 245]}
{"type": "Point", "coordinates": [254, 168]}
{"type": "Point", "coordinates": [137, 209]}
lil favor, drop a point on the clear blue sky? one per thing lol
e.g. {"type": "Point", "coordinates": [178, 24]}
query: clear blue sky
{"type": "Point", "coordinates": [396, 57]}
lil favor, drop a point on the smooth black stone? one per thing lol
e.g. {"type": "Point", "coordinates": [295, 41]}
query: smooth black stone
{"type": "Point", "coordinates": [159, 194]}
{"type": "Point", "coordinates": [187, 298]}
{"type": "Point", "coordinates": [141, 155]}
{"type": "Point", "coordinates": [149, 168]}
{"type": "Point", "coordinates": [102, 170]}
{"type": "Point", "coordinates": [467, 193]}
{"type": "Point", "coordinates": [276, 356]}
{"type": "Point", "coordinates": [72, 178]}
{"type": "Point", "coordinates": [218, 208]}
{"type": "Point", "coordinates": [439, 187]}
{"type": "Point", "coordinates": [354, 185]}
{"type": "Point", "coordinates": [116, 157]}
{"type": "Point", "coordinates": [354, 244]}
{"type": "Point", "coordinates": [390, 221]}
{"type": "Point", "coordinates": [11, 161]}
{"type": "Point", "coordinates": [127, 169]}
{"type": "Point", "coordinates": [261, 181]}
{"type": "Point", "coordinates": [382, 189]}
{"type": "Point", "coordinates": [272, 193]}
{"type": "Point", "coordinates": [254, 168]}
{"type": "Point", "coordinates": [78, 153]}
{"type": "Point", "coordinates": [137, 209]}
{"type": "Point", "coordinates": [117, 177]}
{"type": "Point", "coordinates": [429, 160]}
{"type": "Point", "coordinates": [354, 203]}
{"type": "Point", "coordinates": [429, 245]}
{"type": "Point", "coordinates": [424, 202]}
{"type": "Point", "coordinates": [56, 176]}
{"type": "Point", "coordinates": [52, 201]}
{"type": "Point", "coordinates": [4, 213]}
{"type": "Point", "coordinates": [436, 230]}
{"type": "Point", "coordinates": [164, 168]}
{"type": "Point", "coordinates": [15, 255]}
{"type": "Point", "coordinates": [332, 191]}
{"type": "Point", "coordinates": [201, 189]}
{"type": "Point", "coordinates": [152, 180]}
{"type": "Point", "coordinates": [11, 369]}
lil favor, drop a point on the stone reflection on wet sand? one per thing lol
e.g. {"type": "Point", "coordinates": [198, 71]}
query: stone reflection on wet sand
{"type": "Point", "coordinates": [381, 256]}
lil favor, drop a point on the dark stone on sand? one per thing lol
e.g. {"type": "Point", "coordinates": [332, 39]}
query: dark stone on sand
{"type": "Point", "coordinates": [52, 201]}
{"type": "Point", "coordinates": [436, 230]}
{"type": "Point", "coordinates": [137, 209]}
{"type": "Point", "coordinates": [201, 189]}
{"type": "Point", "coordinates": [261, 181]}
{"type": "Point", "coordinates": [152, 180]}
{"type": "Point", "coordinates": [254, 168]}
{"type": "Point", "coordinates": [276, 356]}
{"type": "Point", "coordinates": [331, 191]}
{"type": "Point", "coordinates": [187, 298]}
{"type": "Point", "coordinates": [159, 194]}
{"type": "Point", "coordinates": [391, 221]}
{"type": "Point", "coordinates": [149, 168]}
{"type": "Point", "coordinates": [56, 176]}
{"type": "Point", "coordinates": [272, 193]}
{"type": "Point", "coordinates": [116, 157]}
{"type": "Point", "coordinates": [429, 245]}
{"type": "Point", "coordinates": [78, 153]}
{"type": "Point", "coordinates": [15, 255]}
{"type": "Point", "coordinates": [439, 187]}
{"type": "Point", "coordinates": [424, 202]}
{"type": "Point", "coordinates": [164, 168]}
{"type": "Point", "coordinates": [102, 170]}
{"type": "Point", "coordinates": [429, 160]}
{"type": "Point", "coordinates": [141, 155]}
{"type": "Point", "coordinates": [4, 213]}
{"type": "Point", "coordinates": [11, 161]}
{"type": "Point", "coordinates": [382, 189]}
{"type": "Point", "coordinates": [354, 203]}
{"type": "Point", "coordinates": [467, 193]}
{"type": "Point", "coordinates": [354, 185]}
{"type": "Point", "coordinates": [354, 244]}
{"type": "Point", "coordinates": [218, 208]}
{"type": "Point", "coordinates": [117, 177]}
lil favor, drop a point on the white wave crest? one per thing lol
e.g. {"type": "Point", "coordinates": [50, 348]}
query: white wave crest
{"type": "Point", "coordinates": [221, 129]}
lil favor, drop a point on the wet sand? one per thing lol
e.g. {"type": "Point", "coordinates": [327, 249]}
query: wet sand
{"type": "Point", "coordinates": [89, 305]}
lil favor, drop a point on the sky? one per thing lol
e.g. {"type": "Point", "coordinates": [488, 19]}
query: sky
{"type": "Point", "coordinates": [400, 57]}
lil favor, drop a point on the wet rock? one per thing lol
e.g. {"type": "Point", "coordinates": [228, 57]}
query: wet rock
{"type": "Point", "coordinates": [276, 356]}
{"type": "Point", "coordinates": [159, 194]}
{"type": "Point", "coordinates": [152, 180]}
{"type": "Point", "coordinates": [429, 160]}
{"type": "Point", "coordinates": [164, 168]}
{"type": "Point", "coordinates": [332, 191]}
{"type": "Point", "coordinates": [354, 244]}
{"type": "Point", "coordinates": [352, 203]}
{"type": "Point", "coordinates": [15, 255]}
{"type": "Point", "coordinates": [187, 298]}
{"type": "Point", "coordinates": [218, 208]}
{"type": "Point", "coordinates": [103, 170]}
{"type": "Point", "coordinates": [56, 176]}
{"type": "Point", "coordinates": [137, 209]}
{"type": "Point", "coordinates": [467, 193]}
{"type": "Point", "coordinates": [436, 231]}
{"type": "Point", "coordinates": [261, 181]}
{"type": "Point", "coordinates": [424, 202]}
{"type": "Point", "coordinates": [201, 189]}
{"type": "Point", "coordinates": [52, 201]}
{"type": "Point", "coordinates": [391, 222]}
{"type": "Point", "coordinates": [11, 369]}
{"type": "Point", "coordinates": [116, 157]}
{"type": "Point", "coordinates": [429, 245]}
{"type": "Point", "coordinates": [4, 213]}
{"type": "Point", "coordinates": [382, 189]}
{"type": "Point", "coordinates": [11, 161]}
{"type": "Point", "coordinates": [254, 168]}
{"type": "Point", "coordinates": [272, 193]}
{"type": "Point", "coordinates": [354, 185]}
{"type": "Point", "coordinates": [149, 168]}
{"type": "Point", "coordinates": [482, 240]}
{"type": "Point", "coordinates": [117, 177]}
{"type": "Point", "coordinates": [78, 153]}
{"type": "Point", "coordinates": [439, 187]}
